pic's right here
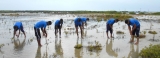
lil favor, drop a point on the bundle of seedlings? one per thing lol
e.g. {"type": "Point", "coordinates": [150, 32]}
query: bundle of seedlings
{"type": "Point", "coordinates": [119, 32]}
{"type": "Point", "coordinates": [78, 46]}
{"type": "Point", "coordinates": [95, 47]}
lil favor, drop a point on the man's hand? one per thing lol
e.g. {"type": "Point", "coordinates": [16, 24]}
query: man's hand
{"type": "Point", "coordinates": [46, 35]}
{"type": "Point", "coordinates": [130, 32]}
{"type": "Point", "coordinates": [25, 36]}
{"type": "Point", "coordinates": [17, 36]}
{"type": "Point", "coordinates": [43, 34]}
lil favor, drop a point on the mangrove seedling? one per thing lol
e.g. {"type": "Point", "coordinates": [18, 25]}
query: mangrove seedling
{"type": "Point", "coordinates": [152, 32]}
{"type": "Point", "coordinates": [78, 46]}
{"type": "Point", "coordinates": [120, 32]}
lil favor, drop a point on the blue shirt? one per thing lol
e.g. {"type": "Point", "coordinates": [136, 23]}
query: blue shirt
{"type": "Point", "coordinates": [76, 21]}
{"type": "Point", "coordinates": [40, 24]}
{"type": "Point", "coordinates": [111, 21]}
{"type": "Point", "coordinates": [58, 22]}
{"type": "Point", "coordinates": [133, 21]}
{"type": "Point", "coordinates": [18, 24]}
{"type": "Point", "coordinates": [84, 19]}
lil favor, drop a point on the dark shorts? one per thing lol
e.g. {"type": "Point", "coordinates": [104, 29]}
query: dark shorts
{"type": "Point", "coordinates": [136, 31]}
{"type": "Point", "coordinates": [37, 33]}
{"type": "Point", "coordinates": [57, 27]}
{"type": "Point", "coordinates": [109, 28]}
{"type": "Point", "coordinates": [76, 25]}
{"type": "Point", "coordinates": [21, 28]}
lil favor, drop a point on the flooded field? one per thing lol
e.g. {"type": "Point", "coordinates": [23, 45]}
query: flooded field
{"type": "Point", "coordinates": [52, 47]}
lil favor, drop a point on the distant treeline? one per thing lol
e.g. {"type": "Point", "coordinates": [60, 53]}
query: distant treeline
{"type": "Point", "coordinates": [81, 12]}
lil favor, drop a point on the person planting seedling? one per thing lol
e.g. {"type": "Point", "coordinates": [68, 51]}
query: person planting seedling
{"type": "Point", "coordinates": [18, 26]}
{"type": "Point", "coordinates": [58, 26]}
{"type": "Point", "coordinates": [135, 28]}
{"type": "Point", "coordinates": [42, 25]}
{"type": "Point", "coordinates": [109, 26]}
{"type": "Point", "coordinates": [78, 23]}
{"type": "Point", "coordinates": [84, 21]}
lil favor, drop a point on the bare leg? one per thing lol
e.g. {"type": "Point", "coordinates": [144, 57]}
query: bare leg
{"type": "Point", "coordinates": [107, 34]}
{"type": "Point", "coordinates": [55, 32]}
{"type": "Point", "coordinates": [83, 25]}
{"type": "Point", "coordinates": [39, 42]}
{"type": "Point", "coordinates": [24, 34]}
{"type": "Point", "coordinates": [132, 39]}
{"type": "Point", "coordinates": [81, 31]}
{"type": "Point", "coordinates": [137, 41]}
{"type": "Point", "coordinates": [77, 31]}
{"type": "Point", "coordinates": [111, 34]}
{"type": "Point", "coordinates": [59, 33]}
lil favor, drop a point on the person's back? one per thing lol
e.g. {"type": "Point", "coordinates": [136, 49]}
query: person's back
{"type": "Point", "coordinates": [111, 21]}
{"type": "Point", "coordinates": [78, 21]}
{"type": "Point", "coordinates": [134, 30]}
{"type": "Point", "coordinates": [58, 26]}
{"type": "Point", "coordinates": [58, 22]}
{"type": "Point", "coordinates": [84, 19]}
{"type": "Point", "coordinates": [134, 21]}
{"type": "Point", "coordinates": [40, 24]}
{"type": "Point", "coordinates": [18, 24]}
{"type": "Point", "coordinates": [109, 25]}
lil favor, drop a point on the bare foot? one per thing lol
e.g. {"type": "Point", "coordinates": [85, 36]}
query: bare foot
{"type": "Point", "coordinates": [107, 37]}
{"type": "Point", "coordinates": [40, 45]}
{"type": "Point", "coordinates": [136, 43]}
{"type": "Point", "coordinates": [82, 37]}
{"type": "Point", "coordinates": [77, 36]}
{"type": "Point", "coordinates": [131, 41]}
{"type": "Point", "coordinates": [112, 37]}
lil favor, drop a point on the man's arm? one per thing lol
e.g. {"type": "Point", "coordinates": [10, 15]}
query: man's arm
{"type": "Point", "coordinates": [133, 28]}
{"type": "Point", "coordinates": [18, 33]}
{"type": "Point", "coordinates": [129, 28]}
{"type": "Point", "coordinates": [24, 34]}
{"type": "Point", "coordinates": [14, 32]}
{"type": "Point", "coordinates": [86, 23]}
{"type": "Point", "coordinates": [42, 31]}
{"type": "Point", "coordinates": [111, 27]}
{"type": "Point", "coordinates": [61, 25]}
{"type": "Point", "coordinates": [45, 31]}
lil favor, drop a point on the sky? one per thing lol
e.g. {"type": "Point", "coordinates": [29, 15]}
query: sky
{"type": "Point", "coordinates": [90, 5]}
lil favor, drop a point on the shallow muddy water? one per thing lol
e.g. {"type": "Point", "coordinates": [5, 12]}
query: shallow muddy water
{"type": "Point", "coordinates": [52, 47]}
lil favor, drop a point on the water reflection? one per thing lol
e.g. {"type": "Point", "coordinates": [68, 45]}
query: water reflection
{"type": "Point", "coordinates": [85, 33]}
{"type": "Point", "coordinates": [38, 54]}
{"type": "Point", "coordinates": [58, 48]}
{"type": "Point", "coordinates": [78, 52]}
{"type": "Point", "coordinates": [1, 52]}
{"type": "Point", "coordinates": [109, 49]}
{"type": "Point", "coordinates": [18, 45]}
{"type": "Point", "coordinates": [133, 53]}
{"type": "Point", "coordinates": [45, 55]}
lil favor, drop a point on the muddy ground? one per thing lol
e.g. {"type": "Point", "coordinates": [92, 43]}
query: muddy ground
{"type": "Point", "coordinates": [52, 47]}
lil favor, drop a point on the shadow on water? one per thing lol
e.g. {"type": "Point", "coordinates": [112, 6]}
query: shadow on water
{"type": "Point", "coordinates": [109, 49]}
{"type": "Point", "coordinates": [58, 48]}
{"type": "Point", "coordinates": [1, 52]}
{"type": "Point", "coordinates": [78, 52]}
{"type": "Point", "coordinates": [38, 54]}
{"type": "Point", "coordinates": [153, 39]}
{"type": "Point", "coordinates": [133, 53]}
{"type": "Point", "coordinates": [18, 46]}
{"type": "Point", "coordinates": [45, 55]}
